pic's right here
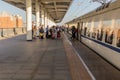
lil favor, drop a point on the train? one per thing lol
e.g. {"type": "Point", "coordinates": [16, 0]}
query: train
{"type": "Point", "coordinates": [100, 30]}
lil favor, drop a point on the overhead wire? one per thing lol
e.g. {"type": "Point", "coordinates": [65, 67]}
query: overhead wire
{"type": "Point", "coordinates": [85, 8]}
{"type": "Point", "coordinates": [76, 8]}
{"type": "Point", "coordinates": [81, 11]}
{"type": "Point", "coordinates": [75, 13]}
{"type": "Point", "coordinates": [72, 10]}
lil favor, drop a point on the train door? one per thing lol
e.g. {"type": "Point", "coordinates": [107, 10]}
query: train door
{"type": "Point", "coordinates": [68, 28]}
{"type": "Point", "coordinates": [81, 26]}
{"type": "Point", "coordinates": [78, 30]}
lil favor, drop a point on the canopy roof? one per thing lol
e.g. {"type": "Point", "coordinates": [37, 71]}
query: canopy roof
{"type": "Point", "coordinates": [55, 8]}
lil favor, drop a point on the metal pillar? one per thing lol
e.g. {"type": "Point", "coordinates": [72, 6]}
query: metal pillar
{"type": "Point", "coordinates": [37, 17]}
{"type": "Point", "coordinates": [29, 19]}
{"type": "Point", "coordinates": [42, 13]}
{"type": "Point", "coordinates": [44, 20]}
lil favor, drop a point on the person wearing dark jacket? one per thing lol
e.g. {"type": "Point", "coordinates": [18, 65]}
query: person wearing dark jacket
{"type": "Point", "coordinates": [47, 31]}
{"type": "Point", "coordinates": [73, 32]}
{"type": "Point", "coordinates": [41, 31]}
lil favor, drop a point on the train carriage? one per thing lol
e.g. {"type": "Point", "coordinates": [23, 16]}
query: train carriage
{"type": "Point", "coordinates": [100, 30]}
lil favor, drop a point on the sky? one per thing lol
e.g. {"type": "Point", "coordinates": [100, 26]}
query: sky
{"type": "Point", "coordinates": [77, 9]}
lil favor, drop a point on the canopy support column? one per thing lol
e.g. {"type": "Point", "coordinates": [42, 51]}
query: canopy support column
{"type": "Point", "coordinates": [37, 17]}
{"type": "Point", "coordinates": [29, 19]}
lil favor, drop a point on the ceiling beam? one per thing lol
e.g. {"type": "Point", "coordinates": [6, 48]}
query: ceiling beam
{"type": "Point", "coordinates": [55, 9]}
{"type": "Point", "coordinates": [50, 6]}
{"type": "Point", "coordinates": [17, 1]}
{"type": "Point", "coordinates": [59, 13]}
{"type": "Point", "coordinates": [58, 6]}
{"type": "Point", "coordinates": [55, 0]}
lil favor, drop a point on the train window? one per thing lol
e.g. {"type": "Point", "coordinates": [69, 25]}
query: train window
{"type": "Point", "coordinates": [94, 33]}
{"type": "Point", "coordinates": [100, 34]}
{"type": "Point", "coordinates": [106, 35]}
{"type": "Point", "coordinates": [118, 38]}
{"type": "Point", "coordinates": [88, 34]}
{"type": "Point", "coordinates": [85, 30]}
{"type": "Point", "coordinates": [81, 26]}
{"type": "Point", "coordinates": [109, 37]}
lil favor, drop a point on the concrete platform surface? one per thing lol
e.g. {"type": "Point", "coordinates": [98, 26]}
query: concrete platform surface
{"type": "Point", "coordinates": [33, 60]}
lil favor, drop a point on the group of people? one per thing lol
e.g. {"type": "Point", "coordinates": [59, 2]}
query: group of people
{"type": "Point", "coordinates": [53, 32]}
{"type": "Point", "coordinates": [34, 31]}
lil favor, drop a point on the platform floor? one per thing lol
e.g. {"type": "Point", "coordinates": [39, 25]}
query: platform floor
{"type": "Point", "coordinates": [34, 60]}
{"type": "Point", "coordinates": [46, 59]}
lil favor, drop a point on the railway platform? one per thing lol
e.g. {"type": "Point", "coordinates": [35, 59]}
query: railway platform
{"type": "Point", "coordinates": [52, 59]}
{"type": "Point", "coordinates": [46, 59]}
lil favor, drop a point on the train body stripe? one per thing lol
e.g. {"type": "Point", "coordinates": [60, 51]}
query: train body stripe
{"type": "Point", "coordinates": [103, 44]}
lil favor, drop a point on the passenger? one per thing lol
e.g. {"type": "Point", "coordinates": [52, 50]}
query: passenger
{"type": "Point", "coordinates": [73, 32]}
{"type": "Point", "coordinates": [34, 31]}
{"type": "Point", "coordinates": [76, 33]}
{"type": "Point", "coordinates": [53, 32]}
{"type": "Point", "coordinates": [47, 31]}
{"type": "Point", "coordinates": [58, 33]}
{"type": "Point", "coordinates": [41, 31]}
{"type": "Point", "coordinates": [50, 33]}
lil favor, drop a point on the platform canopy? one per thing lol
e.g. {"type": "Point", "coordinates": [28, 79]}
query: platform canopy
{"type": "Point", "coordinates": [55, 8]}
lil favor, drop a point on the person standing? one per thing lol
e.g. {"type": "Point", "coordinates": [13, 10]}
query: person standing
{"type": "Point", "coordinates": [73, 32]}
{"type": "Point", "coordinates": [41, 31]}
{"type": "Point", "coordinates": [34, 31]}
{"type": "Point", "coordinates": [47, 31]}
